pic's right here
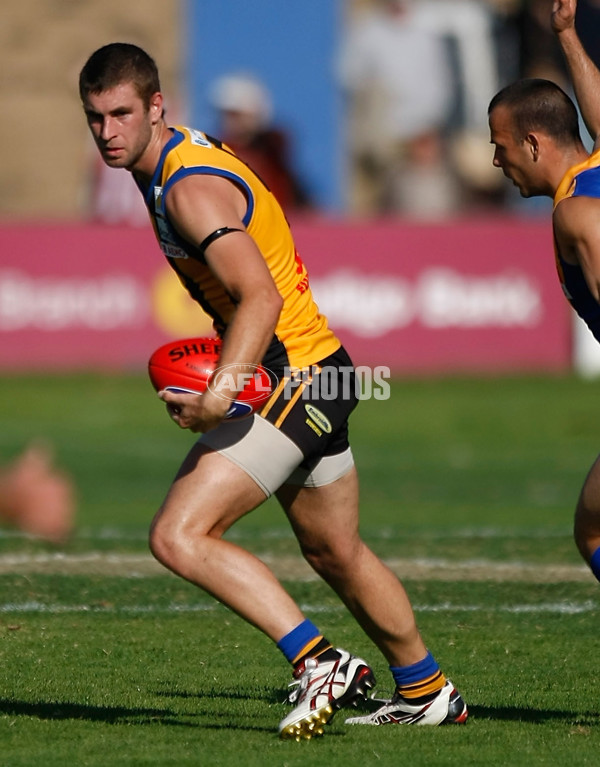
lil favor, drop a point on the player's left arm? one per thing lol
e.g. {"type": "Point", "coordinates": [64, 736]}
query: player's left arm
{"type": "Point", "coordinates": [576, 223]}
{"type": "Point", "coordinates": [198, 206]}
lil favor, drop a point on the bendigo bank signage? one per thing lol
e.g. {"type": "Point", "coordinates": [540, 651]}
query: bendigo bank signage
{"type": "Point", "coordinates": [470, 296]}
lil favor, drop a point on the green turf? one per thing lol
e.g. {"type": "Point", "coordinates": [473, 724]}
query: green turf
{"type": "Point", "coordinates": [442, 463]}
{"type": "Point", "coordinates": [107, 670]}
{"type": "Point", "coordinates": [194, 685]}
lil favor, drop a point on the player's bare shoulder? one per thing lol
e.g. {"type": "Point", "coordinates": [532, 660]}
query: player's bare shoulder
{"type": "Point", "coordinates": [576, 224]}
{"type": "Point", "coordinates": [206, 195]}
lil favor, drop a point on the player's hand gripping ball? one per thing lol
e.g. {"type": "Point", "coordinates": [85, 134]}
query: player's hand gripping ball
{"type": "Point", "coordinates": [188, 365]}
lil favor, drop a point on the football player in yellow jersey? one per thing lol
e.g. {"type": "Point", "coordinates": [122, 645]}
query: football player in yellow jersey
{"type": "Point", "coordinates": [535, 130]}
{"type": "Point", "coordinates": [227, 238]}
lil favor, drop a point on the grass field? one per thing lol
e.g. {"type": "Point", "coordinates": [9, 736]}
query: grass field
{"type": "Point", "coordinates": [468, 488]}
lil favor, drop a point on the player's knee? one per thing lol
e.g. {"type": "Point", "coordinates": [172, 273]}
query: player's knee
{"type": "Point", "coordinates": [330, 559]}
{"type": "Point", "coordinates": [163, 544]}
{"type": "Point", "coordinates": [170, 538]}
{"type": "Point", "coordinates": [166, 541]}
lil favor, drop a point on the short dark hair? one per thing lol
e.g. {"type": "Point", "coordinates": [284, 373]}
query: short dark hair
{"type": "Point", "coordinates": [117, 63]}
{"type": "Point", "coordinates": [539, 105]}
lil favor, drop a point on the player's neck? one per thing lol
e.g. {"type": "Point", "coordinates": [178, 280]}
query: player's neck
{"type": "Point", "coordinates": [563, 164]}
{"type": "Point", "coordinates": [146, 164]}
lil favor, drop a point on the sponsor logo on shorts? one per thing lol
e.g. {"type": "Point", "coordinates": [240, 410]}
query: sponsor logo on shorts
{"type": "Point", "coordinates": [318, 418]}
{"type": "Point", "coordinates": [314, 427]}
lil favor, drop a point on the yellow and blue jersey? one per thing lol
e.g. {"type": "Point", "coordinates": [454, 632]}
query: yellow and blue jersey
{"type": "Point", "coordinates": [302, 336]}
{"type": "Point", "coordinates": [582, 180]}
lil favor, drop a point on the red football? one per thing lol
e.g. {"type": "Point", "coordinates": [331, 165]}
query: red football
{"type": "Point", "coordinates": [188, 365]}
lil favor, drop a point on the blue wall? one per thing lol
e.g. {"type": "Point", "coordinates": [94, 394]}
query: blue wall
{"type": "Point", "coordinates": [291, 46]}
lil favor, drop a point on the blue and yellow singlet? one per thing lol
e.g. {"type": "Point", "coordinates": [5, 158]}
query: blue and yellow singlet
{"type": "Point", "coordinates": [302, 336]}
{"type": "Point", "coordinates": [582, 180]}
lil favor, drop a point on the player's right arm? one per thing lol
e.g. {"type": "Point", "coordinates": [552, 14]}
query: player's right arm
{"type": "Point", "coordinates": [584, 73]}
{"type": "Point", "coordinates": [199, 205]}
{"type": "Point", "coordinates": [576, 222]}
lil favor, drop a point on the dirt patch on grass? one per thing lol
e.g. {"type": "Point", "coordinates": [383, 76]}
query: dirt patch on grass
{"type": "Point", "coordinates": [294, 568]}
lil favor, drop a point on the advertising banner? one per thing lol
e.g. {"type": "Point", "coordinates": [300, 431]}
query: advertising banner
{"type": "Point", "coordinates": [470, 296]}
{"type": "Point", "coordinates": [475, 296]}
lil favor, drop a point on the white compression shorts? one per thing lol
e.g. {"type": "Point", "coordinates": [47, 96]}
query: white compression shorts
{"type": "Point", "coordinates": [271, 458]}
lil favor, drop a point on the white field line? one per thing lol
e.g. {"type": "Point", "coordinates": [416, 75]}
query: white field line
{"type": "Point", "coordinates": [33, 607]}
{"type": "Point", "coordinates": [295, 568]}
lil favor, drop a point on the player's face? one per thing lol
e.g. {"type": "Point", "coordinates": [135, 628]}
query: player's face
{"type": "Point", "coordinates": [513, 156]}
{"type": "Point", "coordinates": [120, 124]}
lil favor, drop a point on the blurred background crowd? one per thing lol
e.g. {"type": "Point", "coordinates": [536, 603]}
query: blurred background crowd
{"type": "Point", "coordinates": [414, 78]}
{"type": "Point", "coordinates": [418, 75]}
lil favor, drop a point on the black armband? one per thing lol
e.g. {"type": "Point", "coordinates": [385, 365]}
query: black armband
{"type": "Point", "coordinates": [215, 236]}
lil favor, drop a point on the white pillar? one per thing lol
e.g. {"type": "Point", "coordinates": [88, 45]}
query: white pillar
{"type": "Point", "coordinates": [586, 350]}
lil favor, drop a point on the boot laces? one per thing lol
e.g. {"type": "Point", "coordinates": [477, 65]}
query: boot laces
{"type": "Point", "coordinates": [301, 683]}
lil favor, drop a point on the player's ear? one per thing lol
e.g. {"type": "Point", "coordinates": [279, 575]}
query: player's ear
{"type": "Point", "coordinates": [533, 144]}
{"type": "Point", "coordinates": [156, 107]}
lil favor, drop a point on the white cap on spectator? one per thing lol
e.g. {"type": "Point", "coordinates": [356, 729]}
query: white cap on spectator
{"type": "Point", "coordinates": [242, 93]}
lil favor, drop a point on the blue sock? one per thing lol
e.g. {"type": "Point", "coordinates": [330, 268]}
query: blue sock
{"type": "Point", "coordinates": [292, 644]}
{"type": "Point", "coordinates": [595, 563]}
{"type": "Point", "coordinates": [409, 676]}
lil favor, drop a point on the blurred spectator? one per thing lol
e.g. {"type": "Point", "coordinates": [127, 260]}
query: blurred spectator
{"type": "Point", "coordinates": [412, 71]}
{"type": "Point", "coordinates": [468, 28]}
{"type": "Point", "coordinates": [36, 497]}
{"type": "Point", "coordinates": [245, 116]}
{"type": "Point", "coordinates": [505, 29]}
{"type": "Point", "coordinates": [540, 55]}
